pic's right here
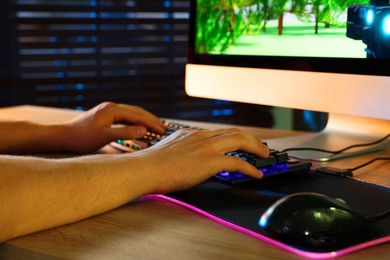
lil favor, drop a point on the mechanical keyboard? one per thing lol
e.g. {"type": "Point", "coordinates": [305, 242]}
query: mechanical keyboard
{"type": "Point", "coordinates": [277, 163]}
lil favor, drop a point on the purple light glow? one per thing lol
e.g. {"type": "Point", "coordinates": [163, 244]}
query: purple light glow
{"type": "Point", "coordinates": [275, 242]}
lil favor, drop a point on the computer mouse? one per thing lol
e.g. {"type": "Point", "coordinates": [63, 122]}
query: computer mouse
{"type": "Point", "coordinates": [310, 215]}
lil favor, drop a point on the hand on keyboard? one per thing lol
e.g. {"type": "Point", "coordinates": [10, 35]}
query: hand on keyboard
{"type": "Point", "coordinates": [189, 157]}
{"type": "Point", "coordinates": [269, 163]}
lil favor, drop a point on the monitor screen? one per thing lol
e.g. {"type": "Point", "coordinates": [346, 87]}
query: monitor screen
{"type": "Point", "coordinates": [322, 56]}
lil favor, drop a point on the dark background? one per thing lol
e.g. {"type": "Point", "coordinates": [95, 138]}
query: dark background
{"type": "Point", "coordinates": [77, 53]}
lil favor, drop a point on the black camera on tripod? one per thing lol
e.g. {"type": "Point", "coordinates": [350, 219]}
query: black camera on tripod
{"type": "Point", "coordinates": [371, 24]}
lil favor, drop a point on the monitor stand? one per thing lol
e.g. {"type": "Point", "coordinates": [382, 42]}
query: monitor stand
{"type": "Point", "coordinates": [341, 131]}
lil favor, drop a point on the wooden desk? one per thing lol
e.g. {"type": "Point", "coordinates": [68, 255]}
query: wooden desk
{"type": "Point", "coordinates": [152, 228]}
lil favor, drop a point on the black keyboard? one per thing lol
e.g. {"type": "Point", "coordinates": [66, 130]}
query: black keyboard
{"type": "Point", "coordinates": [277, 163]}
{"type": "Point", "coordinates": [152, 138]}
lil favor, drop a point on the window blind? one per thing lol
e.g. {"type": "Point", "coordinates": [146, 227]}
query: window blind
{"type": "Point", "coordinates": [77, 53]}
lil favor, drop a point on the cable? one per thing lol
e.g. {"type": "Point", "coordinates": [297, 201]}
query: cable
{"type": "Point", "coordinates": [337, 151]}
{"type": "Point", "coordinates": [379, 216]}
{"type": "Point", "coordinates": [369, 162]}
{"type": "Point", "coordinates": [346, 172]}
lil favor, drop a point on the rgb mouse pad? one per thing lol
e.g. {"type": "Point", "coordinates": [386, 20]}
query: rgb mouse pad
{"type": "Point", "coordinates": [241, 206]}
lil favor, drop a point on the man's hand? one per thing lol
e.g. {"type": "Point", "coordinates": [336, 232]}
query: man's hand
{"type": "Point", "coordinates": [186, 157]}
{"type": "Point", "coordinates": [95, 128]}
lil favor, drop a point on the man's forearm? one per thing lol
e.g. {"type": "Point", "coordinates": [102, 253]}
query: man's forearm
{"type": "Point", "coordinates": [46, 193]}
{"type": "Point", "coordinates": [23, 136]}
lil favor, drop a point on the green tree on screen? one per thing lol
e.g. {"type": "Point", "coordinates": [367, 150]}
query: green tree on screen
{"type": "Point", "coordinates": [327, 12]}
{"type": "Point", "coordinates": [221, 22]}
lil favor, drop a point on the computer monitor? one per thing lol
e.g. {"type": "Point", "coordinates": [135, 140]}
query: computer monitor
{"type": "Point", "coordinates": [332, 59]}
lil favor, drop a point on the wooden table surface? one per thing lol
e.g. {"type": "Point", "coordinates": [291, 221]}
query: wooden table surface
{"type": "Point", "coordinates": [152, 228]}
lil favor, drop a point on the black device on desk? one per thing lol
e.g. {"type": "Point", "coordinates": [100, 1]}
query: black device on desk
{"type": "Point", "coordinates": [307, 217]}
{"type": "Point", "coordinates": [276, 163]}
{"type": "Point", "coordinates": [310, 215]}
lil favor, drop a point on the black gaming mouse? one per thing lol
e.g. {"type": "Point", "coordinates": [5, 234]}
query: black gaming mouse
{"type": "Point", "coordinates": [310, 215]}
